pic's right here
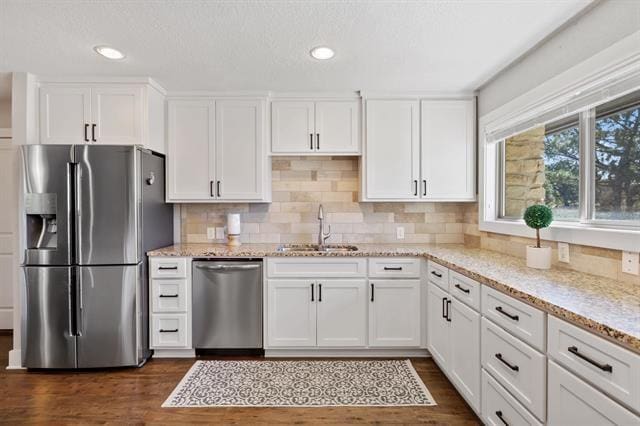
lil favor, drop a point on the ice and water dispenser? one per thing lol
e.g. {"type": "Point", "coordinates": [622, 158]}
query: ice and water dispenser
{"type": "Point", "coordinates": [42, 225]}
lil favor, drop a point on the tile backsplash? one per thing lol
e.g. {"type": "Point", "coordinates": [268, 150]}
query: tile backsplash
{"type": "Point", "coordinates": [301, 184]}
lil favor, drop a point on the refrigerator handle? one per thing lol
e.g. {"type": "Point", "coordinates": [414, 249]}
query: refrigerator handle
{"type": "Point", "coordinates": [77, 212]}
{"type": "Point", "coordinates": [71, 288]}
{"type": "Point", "coordinates": [79, 303]}
{"type": "Point", "coordinates": [71, 209]}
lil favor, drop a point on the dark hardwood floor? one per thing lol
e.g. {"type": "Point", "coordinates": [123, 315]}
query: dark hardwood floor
{"type": "Point", "coordinates": [135, 395]}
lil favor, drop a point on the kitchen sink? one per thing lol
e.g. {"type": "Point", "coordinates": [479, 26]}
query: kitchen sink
{"type": "Point", "coordinates": [306, 248]}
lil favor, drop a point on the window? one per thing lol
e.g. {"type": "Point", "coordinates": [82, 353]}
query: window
{"type": "Point", "coordinates": [585, 167]}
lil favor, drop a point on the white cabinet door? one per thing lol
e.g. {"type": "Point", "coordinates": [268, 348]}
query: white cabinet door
{"type": "Point", "coordinates": [574, 402]}
{"type": "Point", "coordinates": [392, 153]}
{"type": "Point", "coordinates": [65, 114]}
{"type": "Point", "coordinates": [448, 150]}
{"type": "Point", "coordinates": [337, 127]}
{"type": "Point", "coordinates": [394, 313]}
{"type": "Point", "coordinates": [291, 313]}
{"type": "Point", "coordinates": [464, 365]}
{"type": "Point", "coordinates": [117, 115]}
{"type": "Point", "coordinates": [190, 148]}
{"type": "Point", "coordinates": [342, 312]}
{"type": "Point", "coordinates": [240, 150]}
{"type": "Point", "coordinates": [292, 127]}
{"type": "Point", "coordinates": [438, 335]}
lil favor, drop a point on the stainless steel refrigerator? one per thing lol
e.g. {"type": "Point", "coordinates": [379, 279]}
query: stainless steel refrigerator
{"type": "Point", "coordinates": [92, 212]}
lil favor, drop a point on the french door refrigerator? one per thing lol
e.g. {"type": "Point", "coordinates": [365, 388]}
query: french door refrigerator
{"type": "Point", "coordinates": [91, 213]}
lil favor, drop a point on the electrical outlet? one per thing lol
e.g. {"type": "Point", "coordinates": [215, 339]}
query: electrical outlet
{"type": "Point", "coordinates": [211, 233]}
{"type": "Point", "coordinates": [219, 233]}
{"type": "Point", "coordinates": [400, 232]}
{"type": "Point", "coordinates": [631, 262]}
{"type": "Point", "coordinates": [563, 252]}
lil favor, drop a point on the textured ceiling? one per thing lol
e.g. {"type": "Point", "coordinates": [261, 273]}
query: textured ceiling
{"type": "Point", "coordinates": [259, 45]}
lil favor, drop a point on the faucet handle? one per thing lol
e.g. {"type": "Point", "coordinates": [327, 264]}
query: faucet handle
{"type": "Point", "coordinates": [326, 235]}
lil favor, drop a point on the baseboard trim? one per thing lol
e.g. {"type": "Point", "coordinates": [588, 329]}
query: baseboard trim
{"type": "Point", "coordinates": [15, 360]}
{"type": "Point", "coordinates": [174, 353]}
{"type": "Point", "coordinates": [346, 353]}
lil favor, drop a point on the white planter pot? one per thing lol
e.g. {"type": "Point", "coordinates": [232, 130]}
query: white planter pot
{"type": "Point", "coordinates": [539, 258]}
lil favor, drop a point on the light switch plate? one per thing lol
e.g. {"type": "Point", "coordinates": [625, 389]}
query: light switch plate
{"type": "Point", "coordinates": [211, 233]}
{"type": "Point", "coordinates": [631, 262]}
{"type": "Point", "coordinates": [400, 232]}
{"type": "Point", "coordinates": [563, 252]}
{"type": "Point", "coordinates": [219, 233]}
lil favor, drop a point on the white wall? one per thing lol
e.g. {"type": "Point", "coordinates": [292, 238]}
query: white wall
{"type": "Point", "coordinates": [595, 30]}
{"type": "Point", "coordinates": [5, 113]}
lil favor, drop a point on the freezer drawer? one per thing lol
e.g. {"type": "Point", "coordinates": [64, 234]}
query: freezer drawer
{"type": "Point", "coordinates": [227, 304]}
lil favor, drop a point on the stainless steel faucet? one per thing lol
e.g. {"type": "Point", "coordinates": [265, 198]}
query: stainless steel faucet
{"type": "Point", "coordinates": [322, 236]}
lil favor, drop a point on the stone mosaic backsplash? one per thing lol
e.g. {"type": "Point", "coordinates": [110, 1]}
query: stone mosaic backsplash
{"type": "Point", "coordinates": [301, 184]}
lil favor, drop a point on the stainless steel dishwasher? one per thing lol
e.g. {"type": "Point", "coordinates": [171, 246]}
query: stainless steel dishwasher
{"type": "Point", "coordinates": [227, 304]}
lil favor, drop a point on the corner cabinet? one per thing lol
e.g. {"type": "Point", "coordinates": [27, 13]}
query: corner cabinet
{"type": "Point", "coordinates": [419, 150]}
{"type": "Point", "coordinates": [109, 114]}
{"type": "Point", "coordinates": [216, 151]}
{"type": "Point", "coordinates": [307, 127]}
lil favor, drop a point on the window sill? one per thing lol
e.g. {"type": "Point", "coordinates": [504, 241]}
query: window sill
{"type": "Point", "coordinates": [616, 239]}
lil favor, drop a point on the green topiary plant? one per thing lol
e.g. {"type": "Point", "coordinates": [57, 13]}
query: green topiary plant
{"type": "Point", "coordinates": [537, 217]}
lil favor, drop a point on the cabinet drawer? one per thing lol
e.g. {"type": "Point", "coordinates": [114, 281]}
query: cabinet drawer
{"type": "Point", "coordinates": [464, 289]}
{"type": "Point", "coordinates": [613, 369]}
{"type": "Point", "coordinates": [169, 330]}
{"type": "Point", "coordinates": [438, 275]}
{"type": "Point", "coordinates": [169, 295]}
{"type": "Point", "coordinates": [518, 367]}
{"type": "Point", "coordinates": [304, 267]}
{"type": "Point", "coordinates": [167, 267]}
{"type": "Point", "coordinates": [574, 402]}
{"type": "Point", "coordinates": [394, 267]}
{"type": "Point", "coordinates": [499, 407]}
{"type": "Point", "coordinates": [520, 319]}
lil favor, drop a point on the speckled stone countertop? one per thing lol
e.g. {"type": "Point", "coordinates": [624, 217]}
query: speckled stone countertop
{"type": "Point", "coordinates": [606, 307]}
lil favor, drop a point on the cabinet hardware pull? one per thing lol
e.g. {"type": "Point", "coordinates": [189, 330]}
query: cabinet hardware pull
{"type": "Point", "coordinates": [424, 191]}
{"type": "Point", "coordinates": [311, 141]}
{"type": "Point", "coordinates": [218, 188]}
{"type": "Point", "coordinates": [415, 188]}
{"type": "Point", "coordinates": [603, 367]}
{"type": "Point", "coordinates": [86, 132]}
{"type": "Point", "coordinates": [319, 292]}
{"type": "Point", "coordinates": [318, 141]}
{"type": "Point", "coordinates": [436, 274]}
{"type": "Point", "coordinates": [211, 188]}
{"type": "Point", "coordinates": [390, 268]}
{"type": "Point", "coordinates": [448, 310]}
{"type": "Point", "coordinates": [507, 314]}
{"type": "Point", "coordinates": [372, 292]}
{"type": "Point", "coordinates": [462, 289]}
{"type": "Point", "coordinates": [175, 330]}
{"type": "Point", "coordinates": [499, 414]}
{"type": "Point", "coordinates": [312, 292]}
{"type": "Point", "coordinates": [93, 133]}
{"type": "Point", "coordinates": [444, 307]}
{"type": "Point", "coordinates": [168, 295]}
{"type": "Point", "coordinates": [168, 268]}
{"type": "Point", "coordinates": [505, 362]}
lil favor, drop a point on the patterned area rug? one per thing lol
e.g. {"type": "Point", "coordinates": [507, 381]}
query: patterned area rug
{"type": "Point", "coordinates": [300, 384]}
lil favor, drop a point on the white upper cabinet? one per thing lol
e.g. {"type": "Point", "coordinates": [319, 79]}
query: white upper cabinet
{"type": "Point", "coordinates": [448, 150]}
{"type": "Point", "coordinates": [117, 115]}
{"type": "Point", "coordinates": [216, 151]}
{"type": "Point", "coordinates": [190, 159]}
{"type": "Point", "coordinates": [302, 127]}
{"type": "Point", "coordinates": [109, 114]}
{"type": "Point", "coordinates": [392, 152]}
{"type": "Point", "coordinates": [65, 114]}
{"type": "Point", "coordinates": [419, 151]}
{"type": "Point", "coordinates": [240, 150]}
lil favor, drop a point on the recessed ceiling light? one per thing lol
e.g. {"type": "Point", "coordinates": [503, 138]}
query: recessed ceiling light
{"type": "Point", "coordinates": [322, 52]}
{"type": "Point", "coordinates": [109, 52]}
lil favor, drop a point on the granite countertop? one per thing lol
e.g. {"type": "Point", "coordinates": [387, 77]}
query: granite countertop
{"type": "Point", "coordinates": [606, 307]}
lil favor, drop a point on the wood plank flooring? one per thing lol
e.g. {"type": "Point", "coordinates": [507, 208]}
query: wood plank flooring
{"type": "Point", "coordinates": [135, 395]}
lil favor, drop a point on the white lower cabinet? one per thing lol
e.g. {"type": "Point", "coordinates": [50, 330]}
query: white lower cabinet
{"type": "Point", "coordinates": [341, 313]}
{"type": "Point", "coordinates": [438, 335]}
{"type": "Point", "coordinates": [499, 407]}
{"type": "Point", "coordinates": [394, 313]}
{"type": "Point", "coordinates": [574, 402]}
{"type": "Point", "coordinates": [291, 313]}
{"type": "Point", "coordinates": [169, 330]}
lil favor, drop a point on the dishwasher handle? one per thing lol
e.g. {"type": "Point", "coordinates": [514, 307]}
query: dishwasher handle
{"type": "Point", "coordinates": [229, 267]}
